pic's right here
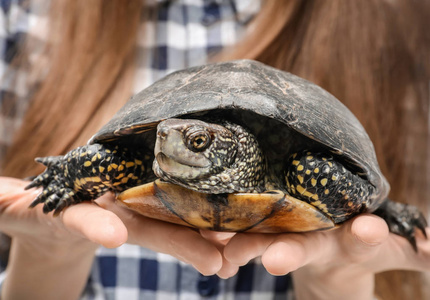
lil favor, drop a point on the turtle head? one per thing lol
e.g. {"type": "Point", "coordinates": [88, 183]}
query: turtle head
{"type": "Point", "coordinates": [188, 149]}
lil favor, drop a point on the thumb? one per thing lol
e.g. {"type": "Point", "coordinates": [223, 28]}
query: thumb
{"type": "Point", "coordinates": [364, 234]}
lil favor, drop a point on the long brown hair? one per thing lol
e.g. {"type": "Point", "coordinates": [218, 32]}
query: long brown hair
{"type": "Point", "coordinates": [91, 54]}
{"type": "Point", "coordinates": [372, 55]}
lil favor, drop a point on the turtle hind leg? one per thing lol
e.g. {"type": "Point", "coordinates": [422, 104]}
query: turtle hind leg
{"type": "Point", "coordinates": [403, 219]}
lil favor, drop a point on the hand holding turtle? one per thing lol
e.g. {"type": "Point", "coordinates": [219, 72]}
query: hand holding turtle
{"type": "Point", "coordinates": [41, 243]}
{"type": "Point", "coordinates": [67, 243]}
{"type": "Point", "coordinates": [182, 242]}
{"type": "Point", "coordinates": [336, 264]}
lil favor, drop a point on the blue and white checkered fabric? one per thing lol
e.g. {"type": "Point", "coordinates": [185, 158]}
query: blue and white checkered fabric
{"type": "Point", "coordinates": [185, 34]}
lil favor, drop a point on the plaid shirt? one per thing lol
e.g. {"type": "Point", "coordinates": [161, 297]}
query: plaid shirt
{"type": "Point", "coordinates": [185, 34]}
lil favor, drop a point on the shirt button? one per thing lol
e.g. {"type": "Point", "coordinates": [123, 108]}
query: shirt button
{"type": "Point", "coordinates": [208, 285]}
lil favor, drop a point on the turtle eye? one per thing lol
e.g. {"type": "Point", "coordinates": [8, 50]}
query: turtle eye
{"type": "Point", "coordinates": [198, 141]}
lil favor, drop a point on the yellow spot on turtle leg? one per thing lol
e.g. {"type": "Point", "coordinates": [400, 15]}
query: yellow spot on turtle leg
{"type": "Point", "coordinates": [313, 182]}
{"type": "Point", "coordinates": [121, 175]}
{"type": "Point", "coordinates": [129, 164]}
{"type": "Point", "coordinates": [77, 183]}
{"type": "Point", "coordinates": [300, 168]}
{"type": "Point", "coordinates": [300, 189]}
{"type": "Point", "coordinates": [310, 195]}
{"type": "Point", "coordinates": [296, 162]}
{"type": "Point", "coordinates": [287, 182]}
{"type": "Point", "coordinates": [87, 163]}
{"type": "Point", "coordinates": [321, 206]}
{"type": "Point", "coordinates": [323, 181]}
{"type": "Point", "coordinates": [300, 178]}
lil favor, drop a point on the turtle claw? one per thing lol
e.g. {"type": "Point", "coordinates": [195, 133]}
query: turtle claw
{"type": "Point", "coordinates": [48, 160]}
{"type": "Point", "coordinates": [52, 196]}
{"type": "Point", "coordinates": [50, 203]}
{"type": "Point", "coordinates": [63, 202]}
{"type": "Point", "coordinates": [45, 179]}
{"type": "Point", "coordinates": [403, 219]}
{"type": "Point", "coordinates": [37, 182]}
{"type": "Point", "coordinates": [39, 199]}
{"type": "Point", "coordinates": [55, 201]}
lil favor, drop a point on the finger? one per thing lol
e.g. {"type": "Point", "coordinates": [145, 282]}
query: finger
{"type": "Point", "coordinates": [355, 241]}
{"type": "Point", "coordinates": [363, 235]}
{"type": "Point", "coordinates": [227, 270]}
{"type": "Point", "coordinates": [181, 242]}
{"type": "Point", "coordinates": [245, 246]}
{"type": "Point", "coordinates": [290, 252]}
{"type": "Point", "coordinates": [220, 239]}
{"type": "Point", "coordinates": [96, 224]}
{"type": "Point", "coordinates": [13, 196]}
{"type": "Point", "coordinates": [216, 236]}
{"type": "Point", "coordinates": [189, 246]}
{"type": "Point", "coordinates": [9, 184]}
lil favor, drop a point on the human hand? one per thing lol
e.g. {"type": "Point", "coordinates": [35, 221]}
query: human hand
{"type": "Point", "coordinates": [62, 248]}
{"type": "Point", "coordinates": [82, 226]}
{"type": "Point", "coordinates": [181, 242]}
{"type": "Point", "coordinates": [85, 226]}
{"type": "Point", "coordinates": [336, 264]}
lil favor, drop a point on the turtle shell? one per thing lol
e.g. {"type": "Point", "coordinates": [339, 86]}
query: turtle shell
{"type": "Point", "coordinates": [286, 111]}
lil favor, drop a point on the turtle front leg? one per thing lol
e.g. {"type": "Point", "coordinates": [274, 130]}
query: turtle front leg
{"type": "Point", "coordinates": [402, 219]}
{"type": "Point", "coordinates": [86, 173]}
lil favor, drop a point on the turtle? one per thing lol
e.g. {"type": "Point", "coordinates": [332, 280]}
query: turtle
{"type": "Point", "coordinates": [231, 146]}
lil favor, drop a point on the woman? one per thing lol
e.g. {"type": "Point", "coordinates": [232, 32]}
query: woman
{"type": "Point", "coordinates": [369, 55]}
